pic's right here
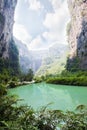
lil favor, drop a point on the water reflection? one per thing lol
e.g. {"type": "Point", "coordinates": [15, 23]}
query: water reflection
{"type": "Point", "coordinates": [61, 97]}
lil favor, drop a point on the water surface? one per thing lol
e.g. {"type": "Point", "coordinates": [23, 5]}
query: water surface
{"type": "Point", "coordinates": [60, 96]}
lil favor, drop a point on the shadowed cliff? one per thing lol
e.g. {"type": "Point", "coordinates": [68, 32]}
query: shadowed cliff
{"type": "Point", "coordinates": [8, 51]}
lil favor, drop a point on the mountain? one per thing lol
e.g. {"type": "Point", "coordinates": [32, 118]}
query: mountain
{"type": "Point", "coordinates": [29, 58]}
{"type": "Point", "coordinates": [51, 60]}
{"type": "Point", "coordinates": [54, 62]}
{"type": "Point", "coordinates": [37, 58]}
{"type": "Point", "coordinates": [8, 50]}
{"type": "Point", "coordinates": [24, 56]}
{"type": "Point", "coordinates": [77, 35]}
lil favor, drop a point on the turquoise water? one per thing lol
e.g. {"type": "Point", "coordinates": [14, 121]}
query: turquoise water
{"type": "Point", "coordinates": [60, 96]}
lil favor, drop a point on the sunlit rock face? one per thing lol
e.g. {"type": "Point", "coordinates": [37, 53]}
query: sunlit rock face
{"type": "Point", "coordinates": [7, 8]}
{"type": "Point", "coordinates": [77, 32]}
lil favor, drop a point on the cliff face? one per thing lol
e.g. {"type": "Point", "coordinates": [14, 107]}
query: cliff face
{"type": "Point", "coordinates": [7, 8]}
{"type": "Point", "coordinates": [8, 51]}
{"type": "Point", "coordinates": [77, 34]}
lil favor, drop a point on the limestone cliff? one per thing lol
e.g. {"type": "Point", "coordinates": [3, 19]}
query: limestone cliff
{"type": "Point", "coordinates": [8, 50]}
{"type": "Point", "coordinates": [7, 8]}
{"type": "Point", "coordinates": [77, 34]}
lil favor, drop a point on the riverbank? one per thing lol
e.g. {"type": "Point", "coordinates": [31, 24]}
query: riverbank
{"type": "Point", "coordinates": [69, 78]}
{"type": "Point", "coordinates": [13, 84]}
{"type": "Point", "coordinates": [25, 83]}
{"type": "Point", "coordinates": [78, 81]}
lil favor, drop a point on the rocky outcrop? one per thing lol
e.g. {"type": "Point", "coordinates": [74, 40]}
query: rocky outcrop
{"type": "Point", "coordinates": [7, 8]}
{"type": "Point", "coordinates": [77, 34]}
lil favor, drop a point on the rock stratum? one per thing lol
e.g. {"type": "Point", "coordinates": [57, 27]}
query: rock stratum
{"type": "Point", "coordinates": [77, 35]}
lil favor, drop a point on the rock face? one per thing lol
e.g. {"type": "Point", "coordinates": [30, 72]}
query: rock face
{"type": "Point", "coordinates": [24, 56]}
{"type": "Point", "coordinates": [77, 34]}
{"type": "Point", "coordinates": [7, 8]}
{"type": "Point", "coordinates": [8, 51]}
{"type": "Point", "coordinates": [29, 59]}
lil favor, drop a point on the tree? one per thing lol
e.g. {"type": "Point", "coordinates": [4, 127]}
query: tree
{"type": "Point", "coordinates": [29, 75]}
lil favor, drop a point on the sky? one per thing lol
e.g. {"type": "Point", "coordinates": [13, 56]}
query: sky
{"type": "Point", "coordinates": [41, 23]}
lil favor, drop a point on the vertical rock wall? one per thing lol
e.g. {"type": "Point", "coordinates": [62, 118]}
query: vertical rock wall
{"type": "Point", "coordinates": [77, 34]}
{"type": "Point", "coordinates": [7, 8]}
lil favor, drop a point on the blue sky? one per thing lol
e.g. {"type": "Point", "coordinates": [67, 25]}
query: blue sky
{"type": "Point", "coordinates": [41, 23]}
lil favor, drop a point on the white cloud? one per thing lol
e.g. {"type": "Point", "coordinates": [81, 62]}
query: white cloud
{"type": "Point", "coordinates": [56, 4]}
{"type": "Point", "coordinates": [35, 5]}
{"type": "Point", "coordinates": [20, 32]}
{"type": "Point", "coordinates": [37, 43]}
{"type": "Point", "coordinates": [53, 20]}
{"type": "Point", "coordinates": [56, 22]}
{"type": "Point", "coordinates": [52, 37]}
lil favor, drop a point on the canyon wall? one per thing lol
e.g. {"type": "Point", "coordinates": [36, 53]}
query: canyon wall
{"type": "Point", "coordinates": [8, 50]}
{"type": "Point", "coordinates": [7, 8]}
{"type": "Point", "coordinates": [77, 35]}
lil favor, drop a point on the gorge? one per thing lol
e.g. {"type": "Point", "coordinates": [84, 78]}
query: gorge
{"type": "Point", "coordinates": [77, 34]}
{"type": "Point", "coordinates": [17, 113]}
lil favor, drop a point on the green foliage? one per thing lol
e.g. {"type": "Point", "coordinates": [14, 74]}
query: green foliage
{"type": "Point", "coordinates": [7, 80]}
{"type": "Point", "coordinates": [69, 78]}
{"type": "Point", "coordinates": [12, 84]}
{"type": "Point", "coordinates": [3, 90]}
{"type": "Point", "coordinates": [51, 69]}
{"type": "Point", "coordinates": [4, 77]}
{"type": "Point", "coordinates": [38, 79]}
{"type": "Point", "coordinates": [27, 77]}
{"type": "Point", "coordinates": [12, 64]}
{"type": "Point", "coordinates": [73, 64]}
{"type": "Point", "coordinates": [13, 59]}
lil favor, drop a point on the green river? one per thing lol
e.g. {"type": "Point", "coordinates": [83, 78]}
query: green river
{"type": "Point", "coordinates": [59, 96]}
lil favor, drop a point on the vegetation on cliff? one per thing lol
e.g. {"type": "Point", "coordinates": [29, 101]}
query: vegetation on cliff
{"type": "Point", "coordinates": [11, 64]}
